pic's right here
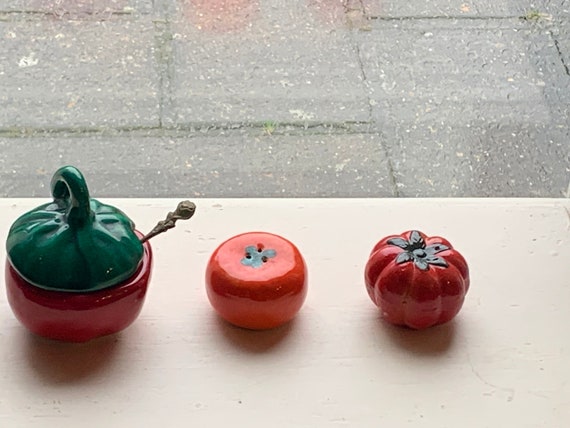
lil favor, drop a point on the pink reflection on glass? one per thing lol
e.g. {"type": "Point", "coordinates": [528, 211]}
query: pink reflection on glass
{"type": "Point", "coordinates": [220, 16]}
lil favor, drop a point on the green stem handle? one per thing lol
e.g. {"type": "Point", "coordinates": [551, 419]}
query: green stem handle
{"type": "Point", "coordinates": [69, 189]}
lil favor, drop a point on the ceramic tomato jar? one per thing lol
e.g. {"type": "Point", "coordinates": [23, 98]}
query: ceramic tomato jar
{"type": "Point", "coordinates": [257, 280]}
{"type": "Point", "coordinates": [416, 280]}
{"type": "Point", "coordinates": [76, 268]}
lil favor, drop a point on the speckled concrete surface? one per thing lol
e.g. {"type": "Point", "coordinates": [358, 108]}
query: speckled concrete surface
{"type": "Point", "coordinates": [232, 98]}
{"type": "Point", "coordinates": [255, 164]}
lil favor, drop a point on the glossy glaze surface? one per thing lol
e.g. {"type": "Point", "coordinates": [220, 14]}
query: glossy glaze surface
{"type": "Point", "coordinates": [417, 281]}
{"type": "Point", "coordinates": [79, 317]}
{"type": "Point", "coordinates": [256, 280]}
{"type": "Point", "coordinates": [74, 243]}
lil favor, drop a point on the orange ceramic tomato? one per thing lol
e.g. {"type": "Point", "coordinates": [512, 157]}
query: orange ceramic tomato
{"type": "Point", "coordinates": [256, 280]}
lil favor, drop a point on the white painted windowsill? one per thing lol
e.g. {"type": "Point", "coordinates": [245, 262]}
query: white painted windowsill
{"type": "Point", "coordinates": [503, 362]}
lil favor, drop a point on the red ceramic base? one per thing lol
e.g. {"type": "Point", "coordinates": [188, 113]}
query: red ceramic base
{"type": "Point", "coordinates": [78, 317]}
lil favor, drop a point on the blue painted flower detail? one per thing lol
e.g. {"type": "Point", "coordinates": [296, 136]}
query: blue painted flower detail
{"type": "Point", "coordinates": [256, 256]}
{"type": "Point", "coordinates": [415, 250]}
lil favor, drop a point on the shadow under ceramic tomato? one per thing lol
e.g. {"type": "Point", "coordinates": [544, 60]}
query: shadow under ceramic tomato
{"type": "Point", "coordinates": [255, 341]}
{"type": "Point", "coordinates": [57, 363]}
{"type": "Point", "coordinates": [79, 317]}
{"type": "Point", "coordinates": [436, 341]}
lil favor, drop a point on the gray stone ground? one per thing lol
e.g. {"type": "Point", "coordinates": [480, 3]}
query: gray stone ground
{"type": "Point", "coordinates": [325, 98]}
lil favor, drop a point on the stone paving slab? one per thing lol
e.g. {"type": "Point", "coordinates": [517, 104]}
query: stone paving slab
{"type": "Point", "coordinates": [67, 74]}
{"type": "Point", "coordinates": [501, 160]}
{"type": "Point", "coordinates": [546, 51]}
{"type": "Point", "coordinates": [248, 163]}
{"type": "Point", "coordinates": [78, 9]}
{"type": "Point", "coordinates": [463, 8]}
{"type": "Point", "coordinates": [453, 72]}
{"type": "Point", "coordinates": [286, 66]}
{"type": "Point", "coordinates": [422, 9]}
{"type": "Point", "coordinates": [562, 36]}
{"type": "Point", "coordinates": [546, 9]}
{"type": "Point", "coordinates": [470, 107]}
{"type": "Point", "coordinates": [229, 98]}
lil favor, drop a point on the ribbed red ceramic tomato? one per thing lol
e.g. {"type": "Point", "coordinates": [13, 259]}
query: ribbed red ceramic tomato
{"type": "Point", "coordinates": [417, 281]}
{"type": "Point", "coordinates": [256, 280]}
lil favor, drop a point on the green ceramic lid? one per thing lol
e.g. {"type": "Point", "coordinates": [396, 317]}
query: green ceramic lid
{"type": "Point", "coordinates": [74, 243]}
